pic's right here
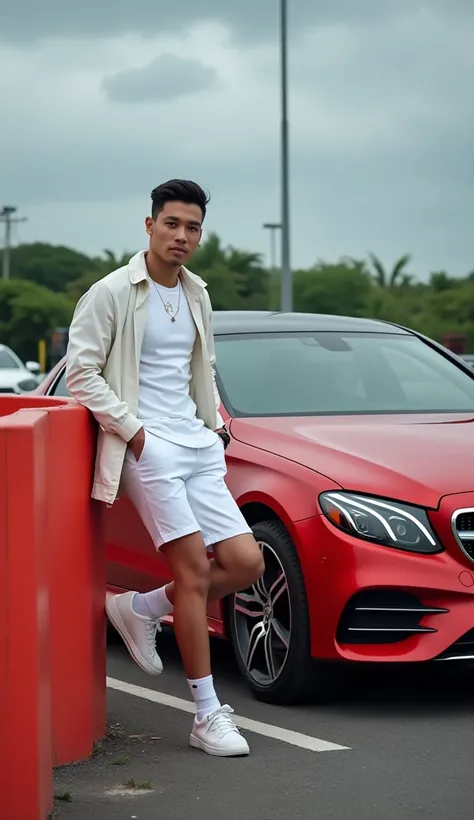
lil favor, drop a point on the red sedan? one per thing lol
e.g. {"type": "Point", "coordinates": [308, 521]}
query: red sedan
{"type": "Point", "coordinates": [352, 457]}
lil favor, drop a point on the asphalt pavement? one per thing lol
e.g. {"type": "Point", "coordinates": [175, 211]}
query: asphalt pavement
{"type": "Point", "coordinates": [400, 746]}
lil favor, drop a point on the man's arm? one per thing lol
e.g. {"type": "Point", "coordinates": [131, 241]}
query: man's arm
{"type": "Point", "coordinates": [91, 335]}
{"type": "Point", "coordinates": [212, 356]}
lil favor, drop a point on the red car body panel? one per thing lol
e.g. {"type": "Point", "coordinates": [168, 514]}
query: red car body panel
{"type": "Point", "coordinates": [284, 464]}
{"type": "Point", "coordinates": [341, 566]}
{"type": "Point", "coordinates": [406, 457]}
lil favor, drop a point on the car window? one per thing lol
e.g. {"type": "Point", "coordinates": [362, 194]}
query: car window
{"type": "Point", "coordinates": [422, 381]}
{"type": "Point", "coordinates": [59, 387]}
{"type": "Point", "coordinates": [7, 361]}
{"type": "Point", "coordinates": [270, 374]}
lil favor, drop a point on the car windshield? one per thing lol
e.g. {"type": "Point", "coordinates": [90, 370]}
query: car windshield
{"type": "Point", "coordinates": [7, 361]}
{"type": "Point", "coordinates": [288, 374]}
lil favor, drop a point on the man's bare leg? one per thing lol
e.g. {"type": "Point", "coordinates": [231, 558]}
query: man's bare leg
{"type": "Point", "coordinates": [238, 563]}
{"type": "Point", "coordinates": [213, 729]}
{"type": "Point", "coordinates": [192, 574]}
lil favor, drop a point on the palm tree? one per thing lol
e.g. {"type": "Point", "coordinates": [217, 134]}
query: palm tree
{"type": "Point", "coordinates": [397, 276]}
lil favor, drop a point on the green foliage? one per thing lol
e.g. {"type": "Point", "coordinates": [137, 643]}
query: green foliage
{"type": "Point", "coordinates": [53, 266]}
{"type": "Point", "coordinates": [343, 289]}
{"type": "Point", "coordinates": [236, 279]}
{"type": "Point", "coordinates": [48, 280]}
{"type": "Point", "coordinates": [95, 269]}
{"type": "Point", "coordinates": [29, 312]}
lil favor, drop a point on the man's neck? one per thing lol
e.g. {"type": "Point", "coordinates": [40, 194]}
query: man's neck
{"type": "Point", "coordinates": [161, 273]}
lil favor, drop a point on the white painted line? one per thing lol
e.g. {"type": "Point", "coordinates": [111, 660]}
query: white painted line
{"type": "Point", "coordinates": [314, 744]}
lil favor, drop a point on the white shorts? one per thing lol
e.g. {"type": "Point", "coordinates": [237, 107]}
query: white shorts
{"type": "Point", "coordinates": [180, 490]}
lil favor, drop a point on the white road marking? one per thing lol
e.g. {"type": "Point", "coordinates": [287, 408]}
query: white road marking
{"type": "Point", "coordinates": [314, 744]}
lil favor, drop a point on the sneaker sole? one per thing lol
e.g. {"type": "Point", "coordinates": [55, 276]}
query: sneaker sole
{"type": "Point", "coordinates": [196, 743]}
{"type": "Point", "coordinates": [116, 619]}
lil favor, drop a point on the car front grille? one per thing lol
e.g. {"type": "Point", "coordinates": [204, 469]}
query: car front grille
{"type": "Point", "coordinates": [383, 617]}
{"type": "Point", "coordinates": [6, 390]}
{"type": "Point", "coordinates": [463, 530]}
{"type": "Point", "coordinates": [462, 649]}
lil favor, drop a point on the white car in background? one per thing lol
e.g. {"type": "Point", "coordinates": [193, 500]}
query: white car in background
{"type": "Point", "coordinates": [16, 377]}
{"type": "Point", "coordinates": [469, 358]}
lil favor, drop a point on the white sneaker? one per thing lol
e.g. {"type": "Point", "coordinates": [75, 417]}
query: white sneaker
{"type": "Point", "coordinates": [218, 735]}
{"type": "Point", "coordinates": [137, 631]}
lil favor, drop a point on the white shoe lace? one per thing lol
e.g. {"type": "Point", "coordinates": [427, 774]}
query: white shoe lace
{"type": "Point", "coordinates": [151, 628]}
{"type": "Point", "coordinates": [220, 721]}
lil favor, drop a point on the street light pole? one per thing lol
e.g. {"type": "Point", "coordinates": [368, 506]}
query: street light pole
{"type": "Point", "coordinates": [6, 216]}
{"type": "Point", "coordinates": [273, 227]}
{"type": "Point", "coordinates": [286, 273]}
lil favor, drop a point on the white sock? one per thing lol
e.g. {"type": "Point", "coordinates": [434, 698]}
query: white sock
{"type": "Point", "coordinates": [204, 696]}
{"type": "Point", "coordinates": [154, 604]}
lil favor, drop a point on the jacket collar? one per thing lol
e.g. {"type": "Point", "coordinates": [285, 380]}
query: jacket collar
{"type": "Point", "coordinates": [138, 273]}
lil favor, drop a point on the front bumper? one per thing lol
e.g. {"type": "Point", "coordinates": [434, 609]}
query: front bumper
{"type": "Point", "coordinates": [373, 603]}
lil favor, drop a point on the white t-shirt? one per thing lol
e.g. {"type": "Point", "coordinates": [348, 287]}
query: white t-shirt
{"type": "Point", "coordinates": [164, 405]}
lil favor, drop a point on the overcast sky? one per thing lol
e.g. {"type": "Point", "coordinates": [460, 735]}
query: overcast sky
{"type": "Point", "coordinates": [101, 101]}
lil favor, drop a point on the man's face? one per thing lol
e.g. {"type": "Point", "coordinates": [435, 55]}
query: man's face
{"type": "Point", "coordinates": [176, 232]}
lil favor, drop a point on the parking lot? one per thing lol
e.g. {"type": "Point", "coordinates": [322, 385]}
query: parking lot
{"type": "Point", "coordinates": [400, 746]}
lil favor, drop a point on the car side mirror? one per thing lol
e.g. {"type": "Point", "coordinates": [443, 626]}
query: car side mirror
{"type": "Point", "coordinates": [27, 385]}
{"type": "Point", "coordinates": [33, 367]}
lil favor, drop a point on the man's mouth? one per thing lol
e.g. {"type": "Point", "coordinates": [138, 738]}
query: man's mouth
{"type": "Point", "coordinates": [179, 250]}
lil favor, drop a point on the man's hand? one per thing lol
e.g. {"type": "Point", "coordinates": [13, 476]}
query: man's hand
{"type": "Point", "coordinates": [223, 434]}
{"type": "Point", "coordinates": [137, 443]}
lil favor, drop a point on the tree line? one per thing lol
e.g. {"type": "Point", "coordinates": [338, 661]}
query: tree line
{"type": "Point", "coordinates": [47, 280]}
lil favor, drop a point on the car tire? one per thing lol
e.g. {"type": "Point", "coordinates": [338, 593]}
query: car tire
{"type": "Point", "coordinates": [279, 628]}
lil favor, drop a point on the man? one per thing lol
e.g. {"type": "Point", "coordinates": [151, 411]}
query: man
{"type": "Point", "coordinates": [141, 359]}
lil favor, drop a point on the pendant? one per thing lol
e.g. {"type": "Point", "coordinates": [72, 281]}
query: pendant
{"type": "Point", "coordinates": [173, 319]}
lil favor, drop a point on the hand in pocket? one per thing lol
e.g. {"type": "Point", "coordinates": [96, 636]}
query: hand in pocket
{"type": "Point", "coordinates": [137, 443]}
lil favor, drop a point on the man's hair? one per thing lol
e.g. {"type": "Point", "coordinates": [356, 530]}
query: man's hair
{"type": "Point", "coordinates": [178, 190]}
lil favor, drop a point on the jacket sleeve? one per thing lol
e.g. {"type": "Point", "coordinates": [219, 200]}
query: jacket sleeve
{"type": "Point", "coordinates": [91, 335]}
{"type": "Point", "coordinates": [212, 357]}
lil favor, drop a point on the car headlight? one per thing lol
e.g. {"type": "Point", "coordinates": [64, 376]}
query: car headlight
{"type": "Point", "coordinates": [391, 524]}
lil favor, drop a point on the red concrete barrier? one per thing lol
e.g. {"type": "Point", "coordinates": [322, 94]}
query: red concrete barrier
{"type": "Point", "coordinates": [52, 589]}
{"type": "Point", "coordinates": [77, 587]}
{"type": "Point", "coordinates": [25, 704]}
{"type": "Point", "coordinates": [10, 404]}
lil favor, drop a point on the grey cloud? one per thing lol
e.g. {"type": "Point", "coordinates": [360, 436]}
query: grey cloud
{"type": "Point", "coordinates": [166, 78]}
{"type": "Point", "coordinates": [339, 207]}
{"type": "Point", "coordinates": [26, 21]}
{"type": "Point", "coordinates": [355, 184]}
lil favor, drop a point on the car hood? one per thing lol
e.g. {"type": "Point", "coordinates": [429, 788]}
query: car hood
{"type": "Point", "coordinates": [411, 458]}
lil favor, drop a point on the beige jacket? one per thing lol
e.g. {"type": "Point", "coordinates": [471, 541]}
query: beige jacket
{"type": "Point", "coordinates": [105, 339]}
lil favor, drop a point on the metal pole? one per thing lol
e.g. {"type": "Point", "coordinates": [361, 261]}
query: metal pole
{"type": "Point", "coordinates": [273, 227]}
{"type": "Point", "coordinates": [6, 216]}
{"type": "Point", "coordinates": [286, 273]}
{"type": "Point", "coordinates": [272, 250]}
{"type": "Point", "coordinates": [275, 279]}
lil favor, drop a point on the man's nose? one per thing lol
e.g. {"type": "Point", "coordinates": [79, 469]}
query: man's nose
{"type": "Point", "coordinates": [181, 233]}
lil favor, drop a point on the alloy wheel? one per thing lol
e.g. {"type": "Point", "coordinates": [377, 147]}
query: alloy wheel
{"type": "Point", "coordinates": [262, 618]}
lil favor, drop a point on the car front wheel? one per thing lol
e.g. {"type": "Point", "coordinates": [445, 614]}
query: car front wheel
{"type": "Point", "coordinates": [269, 625]}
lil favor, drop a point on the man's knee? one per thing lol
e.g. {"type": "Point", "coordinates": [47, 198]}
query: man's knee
{"type": "Point", "coordinates": [195, 577]}
{"type": "Point", "coordinates": [190, 565]}
{"type": "Point", "coordinates": [255, 565]}
{"type": "Point", "coordinates": [242, 557]}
